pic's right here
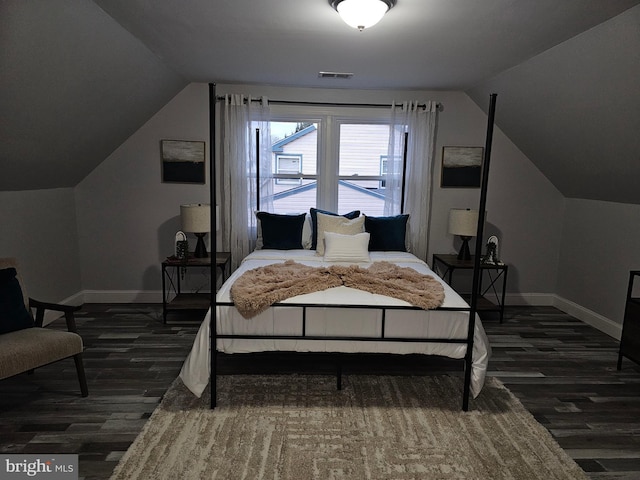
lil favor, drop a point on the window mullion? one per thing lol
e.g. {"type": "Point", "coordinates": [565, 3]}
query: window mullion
{"type": "Point", "coordinates": [360, 177]}
{"type": "Point", "coordinates": [328, 148]}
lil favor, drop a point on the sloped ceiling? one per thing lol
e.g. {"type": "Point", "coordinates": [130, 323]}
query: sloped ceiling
{"type": "Point", "coordinates": [574, 110]}
{"type": "Point", "coordinates": [74, 85]}
{"type": "Point", "coordinates": [79, 76]}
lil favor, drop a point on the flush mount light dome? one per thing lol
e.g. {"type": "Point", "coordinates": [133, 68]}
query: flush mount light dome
{"type": "Point", "coordinates": [362, 14]}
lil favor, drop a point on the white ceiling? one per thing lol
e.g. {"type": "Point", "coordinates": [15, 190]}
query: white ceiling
{"type": "Point", "coordinates": [419, 44]}
{"type": "Point", "coordinates": [79, 76]}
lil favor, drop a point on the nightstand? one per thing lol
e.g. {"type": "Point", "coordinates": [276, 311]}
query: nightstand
{"type": "Point", "coordinates": [173, 296]}
{"type": "Point", "coordinates": [496, 273]}
{"type": "Point", "coordinates": [630, 339]}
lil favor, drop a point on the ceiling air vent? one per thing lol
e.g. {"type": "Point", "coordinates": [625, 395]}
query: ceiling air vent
{"type": "Point", "coordinates": [335, 75]}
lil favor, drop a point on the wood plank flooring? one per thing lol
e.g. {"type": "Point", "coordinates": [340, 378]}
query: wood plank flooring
{"type": "Point", "coordinates": [563, 371]}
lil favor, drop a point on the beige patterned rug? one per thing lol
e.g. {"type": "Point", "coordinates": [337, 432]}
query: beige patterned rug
{"type": "Point", "coordinates": [299, 427]}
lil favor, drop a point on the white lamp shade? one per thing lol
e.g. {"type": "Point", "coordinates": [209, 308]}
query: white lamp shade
{"type": "Point", "coordinates": [362, 14]}
{"type": "Point", "coordinates": [463, 222]}
{"type": "Point", "coordinates": [196, 217]}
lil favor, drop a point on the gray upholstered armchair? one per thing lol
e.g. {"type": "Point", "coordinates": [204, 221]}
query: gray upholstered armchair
{"type": "Point", "coordinates": [24, 343]}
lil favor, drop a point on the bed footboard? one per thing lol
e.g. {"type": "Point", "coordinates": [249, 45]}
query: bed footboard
{"type": "Point", "coordinates": [381, 336]}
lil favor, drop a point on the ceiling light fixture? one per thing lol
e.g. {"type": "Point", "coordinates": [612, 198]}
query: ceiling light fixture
{"type": "Point", "coordinates": [362, 14]}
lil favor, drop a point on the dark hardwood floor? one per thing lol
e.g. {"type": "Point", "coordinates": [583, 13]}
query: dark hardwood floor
{"type": "Point", "coordinates": [563, 371]}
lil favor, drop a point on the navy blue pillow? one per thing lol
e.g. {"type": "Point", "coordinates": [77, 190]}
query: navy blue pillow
{"type": "Point", "coordinates": [314, 222]}
{"type": "Point", "coordinates": [13, 313]}
{"type": "Point", "coordinates": [281, 232]}
{"type": "Point", "coordinates": [388, 234]}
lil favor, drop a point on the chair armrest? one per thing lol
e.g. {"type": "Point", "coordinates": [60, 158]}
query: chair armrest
{"type": "Point", "coordinates": [68, 311]}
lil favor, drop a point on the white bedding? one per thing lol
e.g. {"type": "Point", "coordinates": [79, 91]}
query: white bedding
{"type": "Point", "coordinates": [333, 321]}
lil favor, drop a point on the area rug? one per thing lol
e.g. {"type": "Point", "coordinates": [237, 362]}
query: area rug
{"type": "Point", "coordinates": [299, 427]}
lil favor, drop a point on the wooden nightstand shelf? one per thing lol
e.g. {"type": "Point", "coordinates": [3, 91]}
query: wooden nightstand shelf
{"type": "Point", "coordinates": [173, 296]}
{"type": "Point", "coordinates": [497, 272]}
{"type": "Point", "coordinates": [630, 339]}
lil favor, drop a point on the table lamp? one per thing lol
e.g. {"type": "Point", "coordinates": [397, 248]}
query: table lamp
{"type": "Point", "coordinates": [196, 218]}
{"type": "Point", "coordinates": [463, 222]}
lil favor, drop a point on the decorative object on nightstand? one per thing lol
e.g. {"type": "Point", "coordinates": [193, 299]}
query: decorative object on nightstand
{"type": "Point", "coordinates": [491, 257]}
{"type": "Point", "coordinates": [196, 218]}
{"type": "Point", "coordinates": [463, 222]}
{"type": "Point", "coordinates": [182, 245]}
{"type": "Point", "coordinates": [182, 250]}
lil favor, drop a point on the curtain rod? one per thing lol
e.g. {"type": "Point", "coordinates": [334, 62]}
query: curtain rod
{"type": "Point", "coordinates": [327, 104]}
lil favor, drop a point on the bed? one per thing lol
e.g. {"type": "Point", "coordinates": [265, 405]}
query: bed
{"type": "Point", "coordinates": [339, 319]}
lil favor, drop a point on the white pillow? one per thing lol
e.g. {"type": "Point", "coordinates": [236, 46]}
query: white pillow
{"type": "Point", "coordinates": [346, 248]}
{"type": "Point", "coordinates": [335, 224]}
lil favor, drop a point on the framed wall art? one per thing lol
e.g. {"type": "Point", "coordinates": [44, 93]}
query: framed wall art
{"type": "Point", "coordinates": [183, 161]}
{"type": "Point", "coordinates": [461, 167]}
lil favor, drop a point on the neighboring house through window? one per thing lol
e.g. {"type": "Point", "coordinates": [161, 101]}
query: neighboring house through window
{"type": "Point", "coordinates": [329, 158]}
{"type": "Point", "coordinates": [288, 164]}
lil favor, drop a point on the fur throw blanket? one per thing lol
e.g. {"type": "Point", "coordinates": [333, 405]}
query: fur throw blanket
{"type": "Point", "coordinates": [255, 290]}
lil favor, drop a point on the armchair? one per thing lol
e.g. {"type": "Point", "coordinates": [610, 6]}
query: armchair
{"type": "Point", "coordinates": [25, 344]}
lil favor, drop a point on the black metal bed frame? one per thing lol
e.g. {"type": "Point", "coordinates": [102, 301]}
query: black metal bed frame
{"type": "Point", "coordinates": [472, 309]}
{"type": "Point", "coordinates": [215, 336]}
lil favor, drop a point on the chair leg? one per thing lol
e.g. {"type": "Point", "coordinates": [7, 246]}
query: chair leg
{"type": "Point", "coordinates": [81, 376]}
{"type": "Point", "coordinates": [619, 361]}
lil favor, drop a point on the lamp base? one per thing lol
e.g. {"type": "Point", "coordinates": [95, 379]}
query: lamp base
{"type": "Point", "coordinates": [464, 253]}
{"type": "Point", "coordinates": [201, 248]}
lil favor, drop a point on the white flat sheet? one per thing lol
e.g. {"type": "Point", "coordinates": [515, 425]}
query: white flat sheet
{"type": "Point", "coordinates": [333, 321]}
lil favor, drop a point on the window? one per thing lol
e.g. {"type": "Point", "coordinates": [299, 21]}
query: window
{"type": "Point", "coordinates": [330, 158]}
{"type": "Point", "coordinates": [288, 165]}
{"type": "Point", "coordinates": [383, 169]}
{"type": "Point", "coordinates": [295, 183]}
{"type": "Point", "coordinates": [362, 145]}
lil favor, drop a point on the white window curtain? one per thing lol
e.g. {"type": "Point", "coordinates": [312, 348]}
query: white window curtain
{"type": "Point", "coordinates": [419, 123]}
{"type": "Point", "coordinates": [245, 134]}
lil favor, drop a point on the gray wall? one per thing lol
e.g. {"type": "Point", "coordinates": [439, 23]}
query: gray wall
{"type": "Point", "coordinates": [74, 85]}
{"type": "Point", "coordinates": [576, 104]}
{"type": "Point", "coordinates": [39, 230]}
{"type": "Point", "coordinates": [600, 244]}
{"type": "Point", "coordinates": [572, 253]}
{"type": "Point", "coordinates": [524, 209]}
{"type": "Point", "coordinates": [572, 113]}
{"type": "Point", "coordinates": [127, 217]}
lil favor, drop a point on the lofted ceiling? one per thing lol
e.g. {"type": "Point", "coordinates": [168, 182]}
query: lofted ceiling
{"type": "Point", "coordinates": [80, 76]}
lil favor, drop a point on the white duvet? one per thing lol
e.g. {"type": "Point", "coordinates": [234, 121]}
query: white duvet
{"type": "Point", "coordinates": [333, 321]}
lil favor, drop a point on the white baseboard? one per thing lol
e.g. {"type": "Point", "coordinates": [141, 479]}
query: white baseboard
{"type": "Point", "coordinates": [76, 299]}
{"type": "Point", "coordinates": [590, 317]}
{"type": "Point", "coordinates": [604, 324]}
{"type": "Point", "coordinates": [534, 299]}
{"type": "Point", "coordinates": [122, 296]}
{"type": "Point", "coordinates": [51, 315]}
